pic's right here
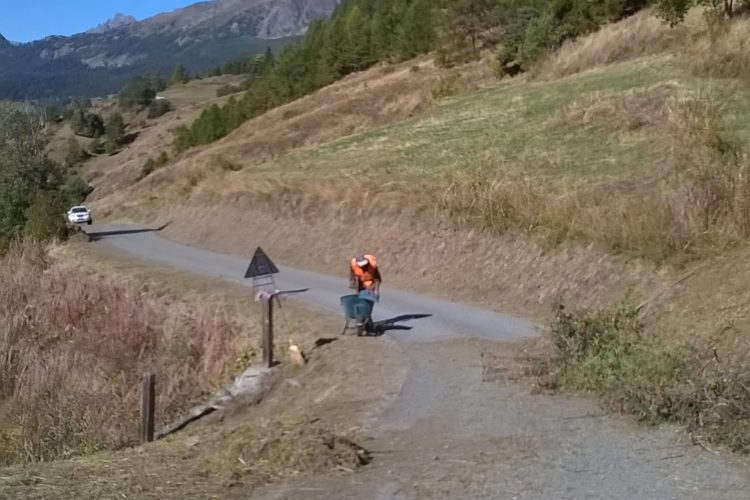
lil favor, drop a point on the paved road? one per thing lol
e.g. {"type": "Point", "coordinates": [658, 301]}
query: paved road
{"type": "Point", "coordinates": [449, 434]}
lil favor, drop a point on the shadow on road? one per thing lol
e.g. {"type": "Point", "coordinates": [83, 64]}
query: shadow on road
{"type": "Point", "coordinates": [96, 236]}
{"type": "Point", "coordinates": [387, 325]}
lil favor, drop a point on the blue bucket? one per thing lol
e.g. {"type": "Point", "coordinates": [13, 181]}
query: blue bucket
{"type": "Point", "coordinates": [357, 307]}
{"type": "Point", "coordinates": [349, 302]}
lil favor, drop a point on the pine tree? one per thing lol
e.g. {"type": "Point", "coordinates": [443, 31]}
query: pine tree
{"type": "Point", "coordinates": [355, 53]}
{"type": "Point", "coordinates": [416, 33]}
{"type": "Point", "coordinates": [384, 29]}
{"type": "Point", "coordinates": [333, 47]}
{"type": "Point", "coordinates": [179, 75]}
{"type": "Point", "coordinates": [466, 27]}
{"type": "Point", "coordinates": [114, 135]}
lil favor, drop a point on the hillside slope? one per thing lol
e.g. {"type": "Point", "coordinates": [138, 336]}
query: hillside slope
{"type": "Point", "coordinates": [545, 147]}
{"type": "Point", "coordinates": [615, 171]}
{"type": "Point", "coordinates": [360, 102]}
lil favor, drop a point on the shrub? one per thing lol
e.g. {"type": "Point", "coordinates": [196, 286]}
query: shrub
{"type": "Point", "coordinates": [139, 92]}
{"type": "Point", "coordinates": [227, 90]}
{"type": "Point", "coordinates": [45, 218]}
{"type": "Point", "coordinates": [446, 86]}
{"type": "Point", "coordinates": [154, 163]}
{"type": "Point", "coordinates": [30, 183]}
{"type": "Point", "coordinates": [87, 124]}
{"type": "Point", "coordinates": [158, 108]}
{"type": "Point", "coordinates": [77, 189]}
{"type": "Point", "coordinates": [607, 352]}
{"type": "Point", "coordinates": [96, 147]}
{"type": "Point", "coordinates": [542, 34]}
{"type": "Point", "coordinates": [115, 133]}
{"type": "Point", "coordinates": [590, 348]}
{"type": "Point", "coordinates": [75, 154]}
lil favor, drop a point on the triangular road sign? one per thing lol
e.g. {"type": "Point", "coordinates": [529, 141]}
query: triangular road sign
{"type": "Point", "coordinates": [261, 265]}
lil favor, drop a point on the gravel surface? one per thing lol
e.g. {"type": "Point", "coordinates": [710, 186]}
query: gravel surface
{"type": "Point", "coordinates": [452, 434]}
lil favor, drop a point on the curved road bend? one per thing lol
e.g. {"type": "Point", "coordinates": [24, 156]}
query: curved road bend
{"type": "Point", "coordinates": [450, 435]}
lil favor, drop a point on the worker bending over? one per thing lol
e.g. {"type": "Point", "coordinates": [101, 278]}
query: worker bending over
{"type": "Point", "coordinates": [365, 274]}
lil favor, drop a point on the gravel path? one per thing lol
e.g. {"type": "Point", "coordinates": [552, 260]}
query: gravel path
{"type": "Point", "coordinates": [451, 434]}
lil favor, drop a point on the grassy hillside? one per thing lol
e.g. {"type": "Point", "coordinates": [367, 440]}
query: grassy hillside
{"type": "Point", "coordinates": [617, 167]}
{"type": "Point", "coordinates": [643, 129]}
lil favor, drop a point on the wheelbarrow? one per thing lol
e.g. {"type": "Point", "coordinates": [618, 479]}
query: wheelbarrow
{"type": "Point", "coordinates": [358, 310]}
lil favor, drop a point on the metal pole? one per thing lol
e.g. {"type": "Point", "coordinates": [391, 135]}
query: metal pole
{"type": "Point", "coordinates": [268, 332]}
{"type": "Point", "coordinates": [148, 408]}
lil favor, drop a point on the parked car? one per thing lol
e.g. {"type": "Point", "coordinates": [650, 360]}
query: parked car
{"type": "Point", "coordinates": [80, 215]}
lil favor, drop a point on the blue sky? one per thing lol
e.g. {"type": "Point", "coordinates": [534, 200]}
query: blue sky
{"type": "Point", "coordinates": [26, 20]}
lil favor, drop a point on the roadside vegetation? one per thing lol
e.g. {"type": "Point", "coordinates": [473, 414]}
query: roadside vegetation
{"type": "Point", "coordinates": [703, 385]}
{"type": "Point", "coordinates": [694, 205]}
{"type": "Point", "coordinates": [35, 192]}
{"type": "Point", "coordinates": [75, 346]}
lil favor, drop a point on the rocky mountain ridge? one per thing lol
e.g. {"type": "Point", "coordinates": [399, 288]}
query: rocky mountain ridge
{"type": "Point", "coordinates": [199, 36]}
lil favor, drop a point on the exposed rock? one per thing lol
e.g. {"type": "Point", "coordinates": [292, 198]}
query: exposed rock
{"type": "Point", "coordinates": [118, 21]}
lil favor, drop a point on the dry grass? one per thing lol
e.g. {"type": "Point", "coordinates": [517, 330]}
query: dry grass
{"type": "Point", "coordinates": [636, 36]}
{"type": "Point", "coordinates": [697, 202]}
{"type": "Point", "coordinates": [627, 112]}
{"type": "Point", "coordinates": [75, 347]}
{"type": "Point", "coordinates": [298, 429]}
{"type": "Point", "coordinates": [301, 427]}
{"type": "Point", "coordinates": [720, 49]}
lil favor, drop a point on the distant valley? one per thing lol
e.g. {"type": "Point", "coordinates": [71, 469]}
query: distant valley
{"type": "Point", "coordinates": [199, 36]}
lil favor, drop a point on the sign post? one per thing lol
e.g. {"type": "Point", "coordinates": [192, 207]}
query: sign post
{"type": "Point", "coordinates": [261, 271]}
{"type": "Point", "coordinates": [267, 318]}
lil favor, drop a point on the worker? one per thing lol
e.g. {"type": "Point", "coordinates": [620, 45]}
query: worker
{"type": "Point", "coordinates": [365, 274]}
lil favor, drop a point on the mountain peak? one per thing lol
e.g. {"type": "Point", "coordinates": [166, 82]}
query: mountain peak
{"type": "Point", "coordinates": [4, 41]}
{"type": "Point", "coordinates": [199, 36]}
{"type": "Point", "coordinates": [117, 21]}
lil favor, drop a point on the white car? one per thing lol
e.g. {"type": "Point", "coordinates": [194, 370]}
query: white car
{"type": "Point", "coordinates": [79, 215]}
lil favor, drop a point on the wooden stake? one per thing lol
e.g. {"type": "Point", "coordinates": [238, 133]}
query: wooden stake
{"type": "Point", "coordinates": [148, 408]}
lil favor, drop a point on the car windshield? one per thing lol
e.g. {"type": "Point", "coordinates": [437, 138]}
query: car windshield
{"type": "Point", "coordinates": [78, 210]}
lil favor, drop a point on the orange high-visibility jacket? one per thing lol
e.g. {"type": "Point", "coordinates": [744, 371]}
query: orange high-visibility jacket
{"type": "Point", "coordinates": [367, 275]}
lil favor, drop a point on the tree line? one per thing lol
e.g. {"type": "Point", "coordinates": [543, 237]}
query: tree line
{"type": "Point", "coordinates": [35, 192]}
{"type": "Point", "coordinates": [361, 33]}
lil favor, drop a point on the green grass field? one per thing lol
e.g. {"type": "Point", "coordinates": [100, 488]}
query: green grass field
{"type": "Point", "coordinates": [200, 91]}
{"type": "Point", "coordinates": [513, 128]}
